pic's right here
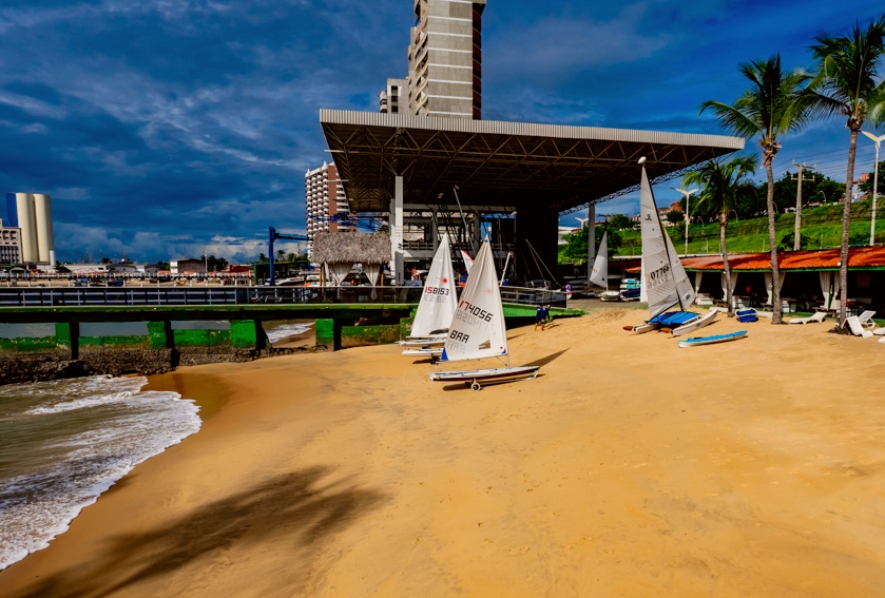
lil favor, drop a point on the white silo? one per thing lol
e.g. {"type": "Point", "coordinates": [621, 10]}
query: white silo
{"type": "Point", "coordinates": [27, 221]}
{"type": "Point", "coordinates": [43, 222]}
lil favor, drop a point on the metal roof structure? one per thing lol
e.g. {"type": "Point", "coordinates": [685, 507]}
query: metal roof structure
{"type": "Point", "coordinates": [501, 164]}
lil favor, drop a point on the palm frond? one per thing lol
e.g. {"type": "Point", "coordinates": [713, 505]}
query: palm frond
{"type": "Point", "coordinates": [732, 118]}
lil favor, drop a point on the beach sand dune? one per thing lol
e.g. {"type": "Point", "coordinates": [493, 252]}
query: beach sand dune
{"type": "Point", "coordinates": [630, 467]}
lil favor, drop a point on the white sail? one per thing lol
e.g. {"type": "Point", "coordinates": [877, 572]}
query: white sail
{"type": "Point", "coordinates": [477, 330]}
{"type": "Point", "coordinates": [599, 276]}
{"type": "Point", "coordinates": [440, 298]}
{"type": "Point", "coordinates": [663, 278]}
{"type": "Point", "coordinates": [468, 261]}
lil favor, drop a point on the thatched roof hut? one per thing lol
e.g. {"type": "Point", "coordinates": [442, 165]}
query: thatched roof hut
{"type": "Point", "coordinates": [351, 248]}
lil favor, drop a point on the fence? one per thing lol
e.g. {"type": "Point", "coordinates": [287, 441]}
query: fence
{"type": "Point", "coordinates": [148, 296]}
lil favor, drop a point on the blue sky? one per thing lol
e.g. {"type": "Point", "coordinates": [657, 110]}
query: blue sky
{"type": "Point", "coordinates": [163, 128]}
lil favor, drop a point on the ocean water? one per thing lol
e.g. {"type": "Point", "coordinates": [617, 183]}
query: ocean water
{"type": "Point", "coordinates": [63, 443]}
{"type": "Point", "coordinates": [287, 329]}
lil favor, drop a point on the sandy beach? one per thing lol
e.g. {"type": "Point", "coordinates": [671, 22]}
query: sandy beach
{"type": "Point", "coordinates": [630, 467]}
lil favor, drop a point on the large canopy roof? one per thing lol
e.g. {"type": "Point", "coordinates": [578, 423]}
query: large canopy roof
{"type": "Point", "coordinates": [501, 164]}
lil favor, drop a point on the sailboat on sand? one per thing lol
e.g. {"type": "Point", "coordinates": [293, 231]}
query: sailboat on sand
{"type": "Point", "coordinates": [477, 330]}
{"type": "Point", "coordinates": [663, 277]}
{"type": "Point", "coordinates": [439, 300]}
{"type": "Point", "coordinates": [599, 274]}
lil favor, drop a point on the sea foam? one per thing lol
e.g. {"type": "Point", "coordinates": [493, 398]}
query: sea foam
{"type": "Point", "coordinates": [68, 442]}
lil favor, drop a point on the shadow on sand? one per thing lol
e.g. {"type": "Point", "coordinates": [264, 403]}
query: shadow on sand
{"type": "Point", "coordinates": [545, 360]}
{"type": "Point", "coordinates": [296, 510]}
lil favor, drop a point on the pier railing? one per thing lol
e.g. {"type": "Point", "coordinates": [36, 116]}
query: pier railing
{"type": "Point", "coordinates": [148, 296]}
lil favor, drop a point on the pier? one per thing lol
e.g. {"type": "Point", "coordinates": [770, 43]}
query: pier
{"type": "Point", "coordinates": [344, 317]}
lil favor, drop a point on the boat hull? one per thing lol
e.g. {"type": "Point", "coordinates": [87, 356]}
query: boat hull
{"type": "Point", "coordinates": [712, 340]}
{"type": "Point", "coordinates": [425, 352]}
{"type": "Point", "coordinates": [477, 378]}
{"type": "Point", "coordinates": [704, 320]}
{"type": "Point", "coordinates": [424, 342]}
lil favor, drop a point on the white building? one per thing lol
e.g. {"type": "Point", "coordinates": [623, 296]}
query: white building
{"type": "Point", "coordinates": [327, 207]}
{"type": "Point", "coordinates": [10, 244]}
{"type": "Point", "coordinates": [32, 214]}
{"type": "Point", "coordinates": [395, 98]}
{"type": "Point", "coordinates": [445, 59]}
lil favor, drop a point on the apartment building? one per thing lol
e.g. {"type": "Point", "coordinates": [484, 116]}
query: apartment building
{"type": "Point", "coordinates": [395, 99]}
{"type": "Point", "coordinates": [10, 244]}
{"type": "Point", "coordinates": [445, 59]}
{"type": "Point", "coordinates": [326, 204]}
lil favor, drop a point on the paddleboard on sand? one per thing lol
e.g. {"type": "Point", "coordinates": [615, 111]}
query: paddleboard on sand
{"type": "Point", "coordinates": [712, 340]}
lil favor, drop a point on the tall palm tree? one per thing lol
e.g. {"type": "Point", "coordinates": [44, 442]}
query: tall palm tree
{"type": "Point", "coordinates": [847, 83]}
{"type": "Point", "coordinates": [722, 184]}
{"type": "Point", "coordinates": [774, 105]}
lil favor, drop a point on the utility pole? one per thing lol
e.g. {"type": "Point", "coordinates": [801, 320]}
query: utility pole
{"type": "Point", "coordinates": [591, 239]}
{"type": "Point", "coordinates": [687, 195]}
{"type": "Point", "coordinates": [797, 234]}
{"type": "Point", "coordinates": [878, 141]}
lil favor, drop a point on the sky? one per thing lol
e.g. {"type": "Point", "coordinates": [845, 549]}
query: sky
{"type": "Point", "coordinates": [167, 128]}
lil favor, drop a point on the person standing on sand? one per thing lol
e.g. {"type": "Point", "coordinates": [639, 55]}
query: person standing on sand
{"type": "Point", "coordinates": [541, 316]}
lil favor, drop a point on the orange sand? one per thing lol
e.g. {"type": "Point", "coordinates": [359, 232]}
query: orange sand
{"type": "Point", "coordinates": [629, 468]}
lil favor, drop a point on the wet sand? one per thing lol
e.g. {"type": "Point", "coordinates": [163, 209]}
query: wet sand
{"type": "Point", "coordinates": [628, 468]}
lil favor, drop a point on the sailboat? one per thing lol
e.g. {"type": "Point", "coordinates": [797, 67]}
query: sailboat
{"type": "Point", "coordinates": [477, 330]}
{"type": "Point", "coordinates": [663, 277]}
{"type": "Point", "coordinates": [468, 261]}
{"type": "Point", "coordinates": [437, 306]}
{"type": "Point", "coordinates": [599, 274]}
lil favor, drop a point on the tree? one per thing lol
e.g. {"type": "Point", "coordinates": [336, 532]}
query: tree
{"type": "Point", "coordinates": [773, 106]}
{"type": "Point", "coordinates": [675, 216]}
{"type": "Point", "coordinates": [821, 190]}
{"type": "Point", "coordinates": [215, 264]}
{"type": "Point", "coordinates": [867, 186]}
{"type": "Point", "coordinates": [575, 248]}
{"type": "Point", "coordinates": [620, 222]}
{"type": "Point", "coordinates": [262, 259]}
{"type": "Point", "coordinates": [848, 83]}
{"type": "Point", "coordinates": [722, 184]}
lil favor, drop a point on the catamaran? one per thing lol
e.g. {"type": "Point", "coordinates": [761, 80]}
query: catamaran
{"type": "Point", "coordinates": [477, 330]}
{"type": "Point", "coordinates": [436, 308]}
{"type": "Point", "coordinates": [663, 277]}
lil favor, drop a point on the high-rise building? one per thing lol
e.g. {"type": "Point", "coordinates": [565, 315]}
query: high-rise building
{"type": "Point", "coordinates": [32, 213]}
{"type": "Point", "coordinates": [395, 98]}
{"type": "Point", "coordinates": [10, 244]}
{"type": "Point", "coordinates": [445, 59]}
{"type": "Point", "coordinates": [327, 207]}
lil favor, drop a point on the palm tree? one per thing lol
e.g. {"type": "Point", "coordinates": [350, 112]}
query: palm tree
{"type": "Point", "coordinates": [773, 106]}
{"type": "Point", "coordinates": [847, 83]}
{"type": "Point", "coordinates": [722, 184]}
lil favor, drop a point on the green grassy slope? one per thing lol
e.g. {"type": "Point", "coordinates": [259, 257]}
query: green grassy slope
{"type": "Point", "coordinates": [821, 228]}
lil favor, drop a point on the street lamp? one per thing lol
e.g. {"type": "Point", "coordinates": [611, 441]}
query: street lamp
{"type": "Point", "coordinates": [878, 141]}
{"type": "Point", "coordinates": [687, 195]}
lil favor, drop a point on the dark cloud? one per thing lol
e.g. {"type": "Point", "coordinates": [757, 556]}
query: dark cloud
{"type": "Point", "coordinates": [167, 127]}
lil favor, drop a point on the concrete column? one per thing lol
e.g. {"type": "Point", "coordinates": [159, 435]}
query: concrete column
{"type": "Point", "coordinates": [328, 333]}
{"type": "Point", "coordinates": [477, 228]}
{"type": "Point", "coordinates": [397, 264]}
{"type": "Point", "coordinates": [247, 334]}
{"type": "Point", "coordinates": [434, 231]}
{"type": "Point", "coordinates": [160, 335]}
{"type": "Point", "coordinates": [67, 335]}
{"type": "Point", "coordinates": [591, 240]}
